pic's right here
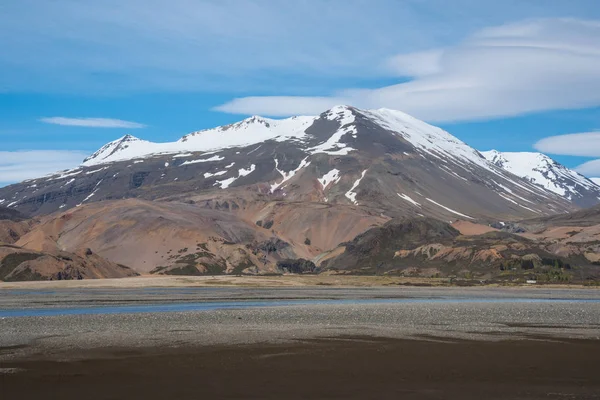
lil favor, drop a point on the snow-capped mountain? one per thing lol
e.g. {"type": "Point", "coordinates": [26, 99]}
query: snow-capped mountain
{"type": "Point", "coordinates": [383, 160]}
{"type": "Point", "coordinates": [543, 171]}
{"type": "Point", "coordinates": [247, 132]}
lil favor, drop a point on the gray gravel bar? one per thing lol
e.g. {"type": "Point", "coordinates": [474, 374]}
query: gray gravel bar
{"type": "Point", "coordinates": [466, 313]}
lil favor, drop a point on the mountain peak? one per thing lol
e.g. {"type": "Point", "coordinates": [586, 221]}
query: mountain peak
{"type": "Point", "coordinates": [341, 107]}
{"type": "Point", "coordinates": [127, 138]}
{"type": "Point", "coordinates": [383, 159]}
{"type": "Point", "coordinates": [548, 173]}
{"type": "Point", "coordinates": [110, 151]}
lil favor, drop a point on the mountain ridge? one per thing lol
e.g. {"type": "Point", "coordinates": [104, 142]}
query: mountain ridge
{"type": "Point", "coordinates": [382, 159]}
{"type": "Point", "coordinates": [542, 170]}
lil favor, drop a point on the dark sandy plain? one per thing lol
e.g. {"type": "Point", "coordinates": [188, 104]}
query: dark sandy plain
{"type": "Point", "coordinates": [300, 343]}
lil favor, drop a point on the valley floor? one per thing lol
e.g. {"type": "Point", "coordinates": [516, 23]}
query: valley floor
{"type": "Point", "coordinates": [300, 342]}
{"type": "Point", "coordinates": [149, 281]}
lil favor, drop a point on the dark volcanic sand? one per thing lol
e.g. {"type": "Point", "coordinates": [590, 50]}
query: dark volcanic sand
{"type": "Point", "coordinates": [341, 368]}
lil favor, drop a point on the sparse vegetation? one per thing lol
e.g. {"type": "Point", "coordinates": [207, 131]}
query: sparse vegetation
{"type": "Point", "coordinates": [268, 224]}
{"type": "Point", "coordinates": [183, 270]}
{"type": "Point", "coordinates": [12, 261]}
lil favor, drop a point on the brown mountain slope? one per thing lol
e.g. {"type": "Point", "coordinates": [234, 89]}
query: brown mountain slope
{"type": "Point", "coordinates": [11, 231]}
{"type": "Point", "coordinates": [19, 264]}
{"type": "Point", "coordinates": [211, 236]}
{"type": "Point", "coordinates": [13, 225]}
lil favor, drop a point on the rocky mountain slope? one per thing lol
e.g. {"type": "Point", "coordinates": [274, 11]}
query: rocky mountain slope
{"type": "Point", "coordinates": [20, 264]}
{"type": "Point", "coordinates": [549, 174]}
{"type": "Point", "coordinates": [381, 160]}
{"type": "Point", "coordinates": [13, 225]}
{"type": "Point", "coordinates": [9, 214]}
{"type": "Point", "coordinates": [430, 248]}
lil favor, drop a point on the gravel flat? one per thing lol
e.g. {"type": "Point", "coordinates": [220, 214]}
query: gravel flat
{"type": "Point", "coordinates": [443, 313]}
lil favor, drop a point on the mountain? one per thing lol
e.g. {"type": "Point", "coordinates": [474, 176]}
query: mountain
{"type": "Point", "coordinates": [13, 225]}
{"type": "Point", "coordinates": [382, 161]}
{"type": "Point", "coordinates": [179, 238]}
{"type": "Point", "coordinates": [549, 174]}
{"type": "Point", "coordinates": [8, 214]}
{"type": "Point", "coordinates": [596, 181]}
{"type": "Point", "coordinates": [21, 264]}
{"type": "Point", "coordinates": [425, 247]}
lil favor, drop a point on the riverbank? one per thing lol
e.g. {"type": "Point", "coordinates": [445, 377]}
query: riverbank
{"type": "Point", "coordinates": [262, 281]}
{"type": "Point", "coordinates": [300, 342]}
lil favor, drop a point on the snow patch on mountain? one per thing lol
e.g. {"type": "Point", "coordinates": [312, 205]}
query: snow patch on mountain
{"type": "Point", "coordinates": [345, 117]}
{"type": "Point", "coordinates": [332, 176]}
{"type": "Point", "coordinates": [448, 209]}
{"type": "Point", "coordinates": [210, 175]}
{"type": "Point", "coordinates": [65, 174]}
{"type": "Point", "coordinates": [351, 194]}
{"type": "Point", "coordinates": [213, 158]}
{"type": "Point", "coordinates": [287, 175]}
{"type": "Point", "coordinates": [410, 200]}
{"type": "Point", "coordinates": [91, 194]}
{"type": "Point", "coordinates": [224, 184]}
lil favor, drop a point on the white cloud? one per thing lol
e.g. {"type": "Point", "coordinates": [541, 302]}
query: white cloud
{"type": "Point", "coordinates": [93, 122]}
{"type": "Point", "coordinates": [16, 166]}
{"type": "Point", "coordinates": [590, 168]}
{"type": "Point", "coordinates": [254, 46]}
{"type": "Point", "coordinates": [280, 105]}
{"type": "Point", "coordinates": [416, 64]}
{"type": "Point", "coordinates": [586, 144]}
{"type": "Point", "coordinates": [512, 69]}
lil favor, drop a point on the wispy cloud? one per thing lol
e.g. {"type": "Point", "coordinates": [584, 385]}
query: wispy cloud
{"type": "Point", "coordinates": [93, 122]}
{"type": "Point", "coordinates": [16, 166]}
{"type": "Point", "coordinates": [590, 168]}
{"type": "Point", "coordinates": [259, 45]}
{"type": "Point", "coordinates": [512, 69]}
{"type": "Point", "coordinates": [586, 144]}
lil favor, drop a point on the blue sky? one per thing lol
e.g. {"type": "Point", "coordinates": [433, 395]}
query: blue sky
{"type": "Point", "coordinates": [75, 74]}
